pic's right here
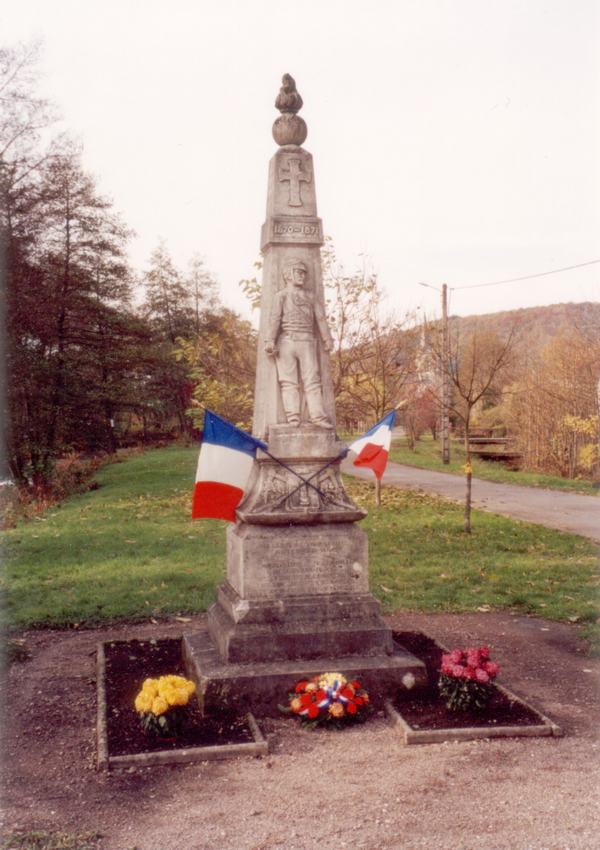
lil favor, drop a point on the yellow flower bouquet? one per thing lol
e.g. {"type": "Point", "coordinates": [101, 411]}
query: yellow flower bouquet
{"type": "Point", "coordinates": [161, 704]}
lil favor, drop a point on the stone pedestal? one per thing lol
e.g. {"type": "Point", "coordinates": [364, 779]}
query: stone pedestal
{"type": "Point", "coordinates": [297, 565]}
{"type": "Point", "coordinates": [297, 592]}
{"type": "Point", "coordinates": [296, 600]}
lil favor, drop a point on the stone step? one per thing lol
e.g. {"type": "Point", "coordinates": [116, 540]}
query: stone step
{"type": "Point", "coordinates": [262, 686]}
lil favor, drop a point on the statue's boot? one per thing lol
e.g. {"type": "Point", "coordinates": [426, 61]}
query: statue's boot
{"type": "Point", "coordinates": [316, 412]}
{"type": "Point", "coordinates": [290, 396]}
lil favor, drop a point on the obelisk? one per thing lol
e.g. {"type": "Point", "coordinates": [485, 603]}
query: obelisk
{"type": "Point", "coordinates": [297, 588]}
{"type": "Point", "coordinates": [292, 234]}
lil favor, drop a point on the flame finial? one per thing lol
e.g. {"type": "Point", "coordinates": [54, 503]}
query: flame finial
{"type": "Point", "coordinates": [288, 99]}
{"type": "Point", "coordinates": [289, 128]}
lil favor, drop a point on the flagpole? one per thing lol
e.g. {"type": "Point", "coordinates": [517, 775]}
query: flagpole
{"type": "Point", "coordinates": [399, 406]}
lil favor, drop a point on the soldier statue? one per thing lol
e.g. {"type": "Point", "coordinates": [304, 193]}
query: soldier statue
{"type": "Point", "coordinates": [292, 340]}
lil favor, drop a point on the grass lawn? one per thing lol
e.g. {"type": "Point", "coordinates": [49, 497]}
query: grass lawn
{"type": "Point", "coordinates": [130, 550]}
{"type": "Point", "coordinates": [427, 456]}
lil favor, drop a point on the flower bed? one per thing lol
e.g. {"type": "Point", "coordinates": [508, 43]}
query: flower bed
{"type": "Point", "coordinates": [123, 667]}
{"type": "Point", "coordinates": [426, 718]}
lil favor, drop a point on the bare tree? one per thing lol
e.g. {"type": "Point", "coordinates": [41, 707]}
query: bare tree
{"type": "Point", "coordinates": [478, 365]}
{"type": "Point", "coordinates": [203, 289]}
{"type": "Point", "coordinates": [373, 352]}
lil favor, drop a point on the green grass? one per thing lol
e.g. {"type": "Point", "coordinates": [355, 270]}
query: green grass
{"type": "Point", "coordinates": [130, 550]}
{"type": "Point", "coordinates": [427, 456]}
{"type": "Point", "coordinates": [422, 560]}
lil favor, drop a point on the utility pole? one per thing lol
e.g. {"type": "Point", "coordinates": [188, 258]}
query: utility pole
{"type": "Point", "coordinates": [444, 374]}
{"type": "Point", "coordinates": [445, 435]}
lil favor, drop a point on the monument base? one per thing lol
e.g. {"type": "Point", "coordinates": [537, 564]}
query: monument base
{"type": "Point", "coordinates": [296, 627]}
{"type": "Point", "coordinates": [296, 592]}
{"type": "Point", "coordinates": [263, 686]}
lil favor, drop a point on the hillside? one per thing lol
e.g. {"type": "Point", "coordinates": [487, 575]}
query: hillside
{"type": "Point", "coordinates": [538, 325]}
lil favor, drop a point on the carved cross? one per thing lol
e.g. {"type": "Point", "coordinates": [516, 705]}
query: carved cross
{"type": "Point", "coordinates": [295, 175]}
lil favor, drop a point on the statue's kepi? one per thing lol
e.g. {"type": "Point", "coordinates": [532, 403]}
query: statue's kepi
{"type": "Point", "coordinates": [296, 598]}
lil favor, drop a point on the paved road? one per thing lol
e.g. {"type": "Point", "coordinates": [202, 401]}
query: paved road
{"type": "Point", "coordinates": [565, 511]}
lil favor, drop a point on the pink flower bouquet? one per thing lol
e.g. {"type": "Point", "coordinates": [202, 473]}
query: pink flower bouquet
{"type": "Point", "coordinates": [465, 678]}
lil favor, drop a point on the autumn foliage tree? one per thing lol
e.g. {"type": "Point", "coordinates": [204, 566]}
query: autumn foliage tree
{"type": "Point", "coordinates": [204, 353]}
{"type": "Point", "coordinates": [222, 363]}
{"type": "Point", "coordinates": [552, 407]}
{"type": "Point", "coordinates": [420, 412]}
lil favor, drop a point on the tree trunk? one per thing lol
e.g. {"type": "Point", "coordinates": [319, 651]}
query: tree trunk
{"type": "Point", "coordinates": [61, 334]}
{"type": "Point", "coordinates": [468, 477]}
{"type": "Point", "coordinates": [110, 431]}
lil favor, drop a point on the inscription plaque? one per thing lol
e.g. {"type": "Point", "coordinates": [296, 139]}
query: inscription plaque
{"type": "Point", "coordinates": [292, 230]}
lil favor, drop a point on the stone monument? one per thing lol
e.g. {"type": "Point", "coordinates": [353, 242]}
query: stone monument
{"type": "Point", "coordinates": [296, 596]}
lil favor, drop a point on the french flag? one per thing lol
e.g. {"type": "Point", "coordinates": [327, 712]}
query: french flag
{"type": "Point", "coordinates": [373, 448]}
{"type": "Point", "coordinates": [224, 465]}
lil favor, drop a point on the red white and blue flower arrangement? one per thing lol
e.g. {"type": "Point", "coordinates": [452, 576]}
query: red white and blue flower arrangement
{"type": "Point", "coordinates": [328, 698]}
{"type": "Point", "coordinates": [466, 677]}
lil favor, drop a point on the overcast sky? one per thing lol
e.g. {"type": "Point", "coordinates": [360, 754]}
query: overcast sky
{"type": "Point", "coordinates": [453, 141]}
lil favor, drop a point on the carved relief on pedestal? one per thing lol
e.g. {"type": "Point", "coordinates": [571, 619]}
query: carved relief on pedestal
{"type": "Point", "coordinates": [307, 493]}
{"type": "Point", "coordinates": [274, 491]}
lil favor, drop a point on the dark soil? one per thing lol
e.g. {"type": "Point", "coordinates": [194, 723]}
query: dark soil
{"type": "Point", "coordinates": [128, 663]}
{"type": "Point", "coordinates": [428, 710]}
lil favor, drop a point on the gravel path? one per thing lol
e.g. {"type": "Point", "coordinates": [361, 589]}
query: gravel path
{"type": "Point", "coordinates": [571, 512]}
{"type": "Point", "coordinates": [359, 789]}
